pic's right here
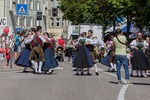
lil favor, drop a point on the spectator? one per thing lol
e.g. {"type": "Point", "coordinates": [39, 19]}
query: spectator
{"type": "Point", "coordinates": [61, 42]}
{"type": "Point", "coordinates": [17, 45]}
{"type": "Point", "coordinates": [7, 55]}
{"type": "Point", "coordinates": [121, 56]}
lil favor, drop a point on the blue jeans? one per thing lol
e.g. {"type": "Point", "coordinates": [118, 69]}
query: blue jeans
{"type": "Point", "coordinates": [122, 60]}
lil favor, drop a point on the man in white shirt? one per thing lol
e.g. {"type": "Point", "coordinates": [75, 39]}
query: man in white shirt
{"type": "Point", "coordinates": [94, 42]}
{"type": "Point", "coordinates": [37, 54]}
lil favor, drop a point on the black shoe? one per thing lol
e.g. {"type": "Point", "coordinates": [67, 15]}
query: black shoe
{"type": "Point", "coordinates": [142, 76]}
{"type": "Point", "coordinates": [131, 75]}
{"type": "Point", "coordinates": [89, 74]}
{"type": "Point", "coordinates": [77, 73]}
{"type": "Point", "coordinates": [39, 73]}
{"type": "Point", "coordinates": [96, 73]}
{"type": "Point", "coordinates": [82, 73]}
{"type": "Point", "coordinates": [51, 72]}
{"type": "Point", "coordinates": [137, 76]}
{"type": "Point", "coordinates": [25, 71]}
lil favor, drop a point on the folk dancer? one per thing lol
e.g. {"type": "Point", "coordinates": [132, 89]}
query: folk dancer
{"type": "Point", "coordinates": [83, 58]}
{"type": "Point", "coordinates": [23, 59]}
{"type": "Point", "coordinates": [93, 42]}
{"type": "Point", "coordinates": [50, 62]}
{"type": "Point", "coordinates": [37, 54]}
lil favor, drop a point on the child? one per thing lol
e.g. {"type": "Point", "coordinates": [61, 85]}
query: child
{"type": "Point", "coordinates": [7, 55]}
{"type": "Point", "coordinates": [129, 55]}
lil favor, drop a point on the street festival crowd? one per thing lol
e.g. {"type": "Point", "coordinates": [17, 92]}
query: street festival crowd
{"type": "Point", "coordinates": [41, 52]}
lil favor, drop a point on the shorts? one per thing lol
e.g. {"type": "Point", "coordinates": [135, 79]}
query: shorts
{"type": "Point", "coordinates": [17, 48]}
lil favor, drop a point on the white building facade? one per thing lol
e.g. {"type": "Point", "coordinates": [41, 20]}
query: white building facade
{"type": "Point", "coordinates": [24, 22]}
{"type": "Point", "coordinates": [54, 16]}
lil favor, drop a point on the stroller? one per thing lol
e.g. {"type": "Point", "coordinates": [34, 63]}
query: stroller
{"type": "Point", "coordinates": [60, 54]}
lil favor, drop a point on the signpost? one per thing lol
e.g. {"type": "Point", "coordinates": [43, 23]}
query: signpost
{"type": "Point", "coordinates": [22, 9]}
{"type": "Point", "coordinates": [18, 29]}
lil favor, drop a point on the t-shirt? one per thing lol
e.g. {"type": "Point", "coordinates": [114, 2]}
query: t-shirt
{"type": "Point", "coordinates": [120, 48]}
{"type": "Point", "coordinates": [61, 42]}
{"type": "Point", "coordinates": [17, 42]}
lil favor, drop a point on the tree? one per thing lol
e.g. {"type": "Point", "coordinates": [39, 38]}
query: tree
{"type": "Point", "coordinates": [87, 11]}
{"type": "Point", "coordinates": [105, 12]}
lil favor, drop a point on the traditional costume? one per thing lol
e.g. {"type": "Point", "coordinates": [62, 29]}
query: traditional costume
{"type": "Point", "coordinates": [37, 54]}
{"type": "Point", "coordinates": [139, 60]}
{"type": "Point", "coordinates": [50, 62]}
{"type": "Point", "coordinates": [109, 59]}
{"type": "Point", "coordinates": [23, 59]}
{"type": "Point", "coordinates": [83, 57]}
{"type": "Point", "coordinates": [93, 42]}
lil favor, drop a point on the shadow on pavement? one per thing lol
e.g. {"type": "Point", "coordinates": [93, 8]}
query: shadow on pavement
{"type": "Point", "coordinates": [135, 83]}
{"type": "Point", "coordinates": [113, 82]}
{"type": "Point", "coordinates": [36, 74]}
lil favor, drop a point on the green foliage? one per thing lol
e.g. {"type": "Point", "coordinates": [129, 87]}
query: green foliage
{"type": "Point", "coordinates": [104, 11]}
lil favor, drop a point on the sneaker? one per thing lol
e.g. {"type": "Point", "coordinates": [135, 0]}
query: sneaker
{"type": "Point", "coordinates": [120, 82]}
{"type": "Point", "coordinates": [128, 82]}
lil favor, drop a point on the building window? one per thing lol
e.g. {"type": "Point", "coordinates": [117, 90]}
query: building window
{"type": "Point", "coordinates": [37, 23]}
{"type": "Point", "coordinates": [17, 21]}
{"type": "Point", "coordinates": [24, 1]}
{"type": "Point", "coordinates": [18, 1]}
{"type": "Point", "coordinates": [54, 12]}
{"type": "Point", "coordinates": [51, 22]}
{"type": "Point", "coordinates": [25, 21]}
{"type": "Point", "coordinates": [31, 22]}
{"type": "Point", "coordinates": [57, 22]}
{"type": "Point", "coordinates": [52, 4]}
{"type": "Point", "coordinates": [37, 5]}
{"type": "Point", "coordinates": [44, 7]}
{"type": "Point", "coordinates": [31, 4]}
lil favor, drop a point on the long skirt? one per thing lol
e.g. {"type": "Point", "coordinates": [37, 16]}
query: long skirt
{"type": "Point", "coordinates": [23, 59]}
{"type": "Point", "coordinates": [50, 61]}
{"type": "Point", "coordinates": [105, 60]}
{"type": "Point", "coordinates": [139, 61]}
{"type": "Point", "coordinates": [83, 58]}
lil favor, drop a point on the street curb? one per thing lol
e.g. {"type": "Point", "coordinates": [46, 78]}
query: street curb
{"type": "Point", "coordinates": [10, 70]}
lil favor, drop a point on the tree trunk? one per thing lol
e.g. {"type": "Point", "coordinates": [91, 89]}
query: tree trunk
{"type": "Point", "coordinates": [114, 24]}
{"type": "Point", "coordinates": [128, 23]}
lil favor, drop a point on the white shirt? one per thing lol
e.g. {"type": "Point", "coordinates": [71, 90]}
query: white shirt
{"type": "Point", "coordinates": [28, 40]}
{"type": "Point", "coordinates": [134, 43]}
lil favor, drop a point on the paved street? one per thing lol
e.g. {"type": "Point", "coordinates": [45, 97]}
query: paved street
{"type": "Point", "coordinates": [64, 85]}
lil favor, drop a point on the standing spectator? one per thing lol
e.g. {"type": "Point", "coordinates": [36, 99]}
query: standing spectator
{"type": "Point", "coordinates": [22, 37]}
{"type": "Point", "coordinates": [61, 42]}
{"type": "Point", "coordinates": [70, 47]}
{"type": "Point", "coordinates": [121, 56]}
{"type": "Point", "coordinates": [16, 46]}
{"type": "Point", "coordinates": [3, 44]}
{"type": "Point", "coordinates": [7, 55]}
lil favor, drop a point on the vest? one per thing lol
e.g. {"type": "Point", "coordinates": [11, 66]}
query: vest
{"type": "Point", "coordinates": [36, 41]}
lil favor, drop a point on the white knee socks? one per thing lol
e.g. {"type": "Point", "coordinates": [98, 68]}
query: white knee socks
{"type": "Point", "coordinates": [40, 67]}
{"type": "Point", "coordinates": [33, 63]}
{"type": "Point", "coordinates": [112, 65]}
{"type": "Point", "coordinates": [96, 69]}
{"type": "Point", "coordinates": [36, 67]}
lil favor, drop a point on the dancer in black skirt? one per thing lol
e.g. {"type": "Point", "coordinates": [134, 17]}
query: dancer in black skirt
{"type": "Point", "coordinates": [23, 59]}
{"type": "Point", "coordinates": [139, 60]}
{"type": "Point", "coordinates": [83, 58]}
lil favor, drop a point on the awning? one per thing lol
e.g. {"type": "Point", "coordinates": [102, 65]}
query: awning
{"type": "Point", "coordinates": [124, 29]}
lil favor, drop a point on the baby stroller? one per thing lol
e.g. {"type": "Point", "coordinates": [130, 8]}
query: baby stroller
{"type": "Point", "coordinates": [60, 53]}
